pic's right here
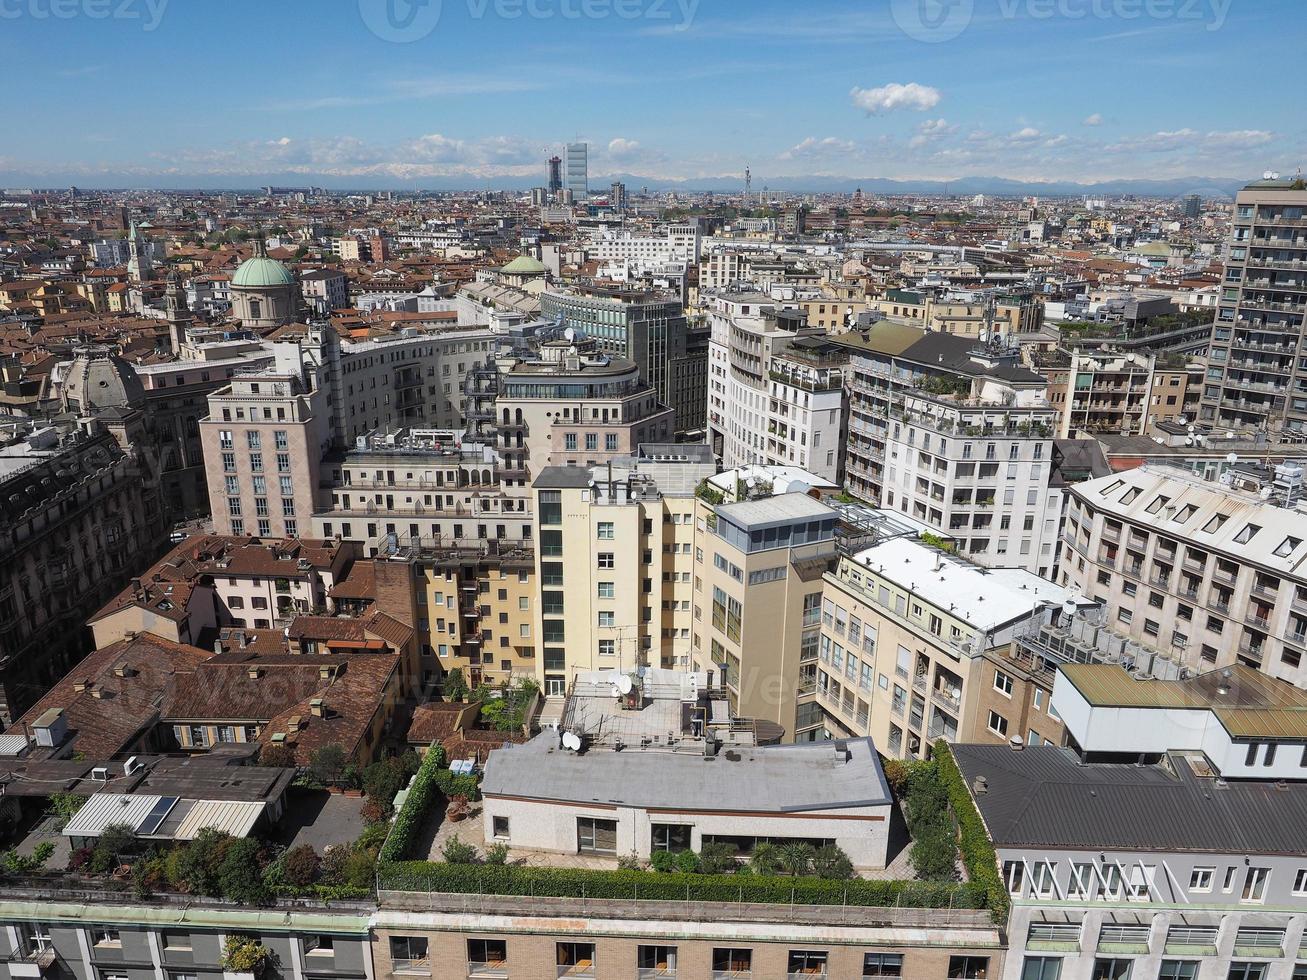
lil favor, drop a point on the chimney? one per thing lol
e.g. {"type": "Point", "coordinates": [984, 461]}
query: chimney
{"type": "Point", "coordinates": [138, 589]}
{"type": "Point", "coordinates": [318, 708]}
{"type": "Point", "coordinates": [325, 672]}
{"type": "Point", "coordinates": [253, 673]}
{"type": "Point", "coordinates": [81, 686]}
{"type": "Point", "coordinates": [980, 786]}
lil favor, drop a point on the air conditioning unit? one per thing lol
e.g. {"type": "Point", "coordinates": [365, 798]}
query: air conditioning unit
{"type": "Point", "coordinates": [131, 766]}
{"type": "Point", "coordinates": [100, 774]}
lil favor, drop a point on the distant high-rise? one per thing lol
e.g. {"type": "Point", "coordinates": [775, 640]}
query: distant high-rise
{"type": "Point", "coordinates": [1193, 206]}
{"type": "Point", "coordinates": [578, 170]}
{"type": "Point", "coordinates": [555, 175]}
{"type": "Point", "coordinates": [617, 196]}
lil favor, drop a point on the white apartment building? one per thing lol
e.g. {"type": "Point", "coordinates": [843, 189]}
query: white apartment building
{"type": "Point", "coordinates": [748, 332]}
{"type": "Point", "coordinates": [678, 244]}
{"type": "Point", "coordinates": [977, 469]}
{"type": "Point", "coordinates": [1210, 572]}
{"type": "Point", "coordinates": [805, 412]}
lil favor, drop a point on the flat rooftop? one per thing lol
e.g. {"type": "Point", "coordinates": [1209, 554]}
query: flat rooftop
{"type": "Point", "coordinates": [1046, 797]}
{"type": "Point", "coordinates": [783, 508]}
{"type": "Point", "coordinates": [987, 598]}
{"type": "Point", "coordinates": [769, 779]}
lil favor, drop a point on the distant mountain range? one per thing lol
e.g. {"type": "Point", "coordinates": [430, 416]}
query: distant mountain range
{"type": "Point", "coordinates": [1209, 187]}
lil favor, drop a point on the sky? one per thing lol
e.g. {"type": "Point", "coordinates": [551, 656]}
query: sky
{"type": "Point", "coordinates": [225, 92]}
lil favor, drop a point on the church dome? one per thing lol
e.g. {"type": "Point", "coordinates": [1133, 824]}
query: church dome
{"type": "Point", "coordinates": [98, 379]}
{"type": "Point", "coordinates": [524, 265]}
{"type": "Point", "coordinates": [261, 272]}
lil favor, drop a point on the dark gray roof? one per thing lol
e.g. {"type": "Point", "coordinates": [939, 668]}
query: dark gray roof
{"type": "Point", "coordinates": [563, 478]}
{"type": "Point", "coordinates": [769, 779]}
{"type": "Point", "coordinates": [1044, 797]}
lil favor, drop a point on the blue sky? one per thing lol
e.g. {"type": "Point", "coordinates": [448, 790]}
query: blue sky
{"type": "Point", "coordinates": [1029, 89]}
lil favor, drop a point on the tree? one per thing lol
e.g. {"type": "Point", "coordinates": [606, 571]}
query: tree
{"type": "Point", "coordinates": [717, 858]}
{"type": "Point", "coordinates": [795, 857]}
{"type": "Point", "coordinates": [301, 865]}
{"type": "Point", "coordinates": [114, 841]}
{"type": "Point", "coordinates": [382, 780]}
{"type": "Point", "coordinates": [765, 859]}
{"type": "Point", "coordinates": [243, 954]}
{"type": "Point", "coordinates": [935, 853]}
{"type": "Point", "coordinates": [456, 851]}
{"type": "Point", "coordinates": [830, 862]}
{"type": "Point", "coordinates": [326, 764]}
{"type": "Point", "coordinates": [455, 687]}
{"type": "Point", "coordinates": [277, 755]}
{"type": "Point", "coordinates": [200, 861]}
{"type": "Point", "coordinates": [240, 876]}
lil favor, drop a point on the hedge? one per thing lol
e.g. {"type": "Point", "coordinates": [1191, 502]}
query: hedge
{"type": "Point", "coordinates": [426, 876]}
{"type": "Point", "coordinates": [432, 783]}
{"type": "Point", "coordinates": [978, 852]}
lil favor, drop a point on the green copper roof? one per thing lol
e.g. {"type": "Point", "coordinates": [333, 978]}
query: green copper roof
{"type": "Point", "coordinates": [258, 272]}
{"type": "Point", "coordinates": [524, 265]}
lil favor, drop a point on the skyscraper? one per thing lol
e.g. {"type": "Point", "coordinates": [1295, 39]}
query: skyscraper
{"type": "Point", "coordinates": [578, 169]}
{"type": "Point", "coordinates": [1193, 206]}
{"type": "Point", "coordinates": [555, 175]}
{"type": "Point", "coordinates": [617, 196]}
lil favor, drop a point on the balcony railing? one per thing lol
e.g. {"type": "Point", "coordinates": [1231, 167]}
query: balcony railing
{"type": "Point", "coordinates": [488, 971]}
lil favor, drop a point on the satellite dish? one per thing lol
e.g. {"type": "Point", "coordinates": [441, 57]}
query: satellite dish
{"type": "Point", "coordinates": [572, 741]}
{"type": "Point", "coordinates": [569, 334]}
{"type": "Point", "coordinates": [624, 684]}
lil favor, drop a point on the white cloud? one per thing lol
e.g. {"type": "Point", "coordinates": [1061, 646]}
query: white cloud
{"type": "Point", "coordinates": [930, 131]}
{"type": "Point", "coordinates": [816, 147]}
{"type": "Point", "coordinates": [895, 96]}
{"type": "Point", "coordinates": [623, 149]}
{"type": "Point", "coordinates": [1025, 135]}
{"type": "Point", "coordinates": [1093, 119]}
{"type": "Point", "coordinates": [1172, 140]}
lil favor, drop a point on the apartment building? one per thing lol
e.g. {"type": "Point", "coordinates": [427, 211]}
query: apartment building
{"type": "Point", "coordinates": [1101, 392]}
{"type": "Point", "coordinates": [1130, 853]}
{"type": "Point", "coordinates": [978, 469]}
{"type": "Point", "coordinates": [615, 562]}
{"type": "Point", "coordinates": [1254, 379]}
{"type": "Point", "coordinates": [268, 431]}
{"type": "Point", "coordinates": [78, 519]}
{"type": "Point", "coordinates": [1205, 571]}
{"type": "Point", "coordinates": [916, 645]}
{"type": "Point", "coordinates": [574, 405]}
{"type": "Point", "coordinates": [805, 409]}
{"type": "Point", "coordinates": [965, 314]}
{"type": "Point", "coordinates": [648, 327]}
{"type": "Point", "coordinates": [888, 362]}
{"type": "Point", "coordinates": [421, 488]}
{"type": "Point", "coordinates": [748, 332]}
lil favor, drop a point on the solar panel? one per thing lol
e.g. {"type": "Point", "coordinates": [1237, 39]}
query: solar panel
{"type": "Point", "coordinates": [155, 817]}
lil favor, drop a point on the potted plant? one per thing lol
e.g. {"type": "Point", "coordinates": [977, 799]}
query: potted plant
{"type": "Point", "coordinates": [457, 809]}
{"type": "Point", "coordinates": [244, 958]}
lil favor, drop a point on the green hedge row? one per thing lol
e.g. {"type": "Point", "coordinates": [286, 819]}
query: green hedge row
{"type": "Point", "coordinates": [432, 784]}
{"type": "Point", "coordinates": [426, 876]}
{"type": "Point", "coordinates": [978, 852]}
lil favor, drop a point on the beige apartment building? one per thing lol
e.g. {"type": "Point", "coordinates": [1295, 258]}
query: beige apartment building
{"type": "Point", "coordinates": [963, 314]}
{"type": "Point", "coordinates": [1207, 572]}
{"type": "Point", "coordinates": [918, 645]}
{"type": "Point", "coordinates": [614, 563]}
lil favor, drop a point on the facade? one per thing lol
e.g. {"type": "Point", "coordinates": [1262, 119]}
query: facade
{"type": "Point", "coordinates": [577, 178]}
{"type": "Point", "coordinates": [978, 470]}
{"type": "Point", "coordinates": [917, 645]}
{"type": "Point", "coordinates": [1202, 570]}
{"type": "Point", "coordinates": [977, 315]}
{"type": "Point", "coordinates": [1106, 393]}
{"type": "Point", "coordinates": [78, 521]}
{"type": "Point", "coordinates": [1253, 377]}
{"type": "Point", "coordinates": [325, 290]}
{"type": "Point", "coordinates": [614, 563]}
{"type": "Point", "coordinates": [646, 327]}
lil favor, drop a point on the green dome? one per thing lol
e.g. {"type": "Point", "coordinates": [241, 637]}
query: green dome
{"type": "Point", "coordinates": [262, 273]}
{"type": "Point", "coordinates": [524, 265]}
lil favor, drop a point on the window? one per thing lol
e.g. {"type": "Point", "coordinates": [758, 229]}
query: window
{"type": "Point", "coordinates": [487, 954]}
{"type": "Point", "coordinates": [1111, 969]}
{"type": "Point", "coordinates": [605, 531]}
{"type": "Point", "coordinates": [1178, 970]}
{"type": "Point", "coordinates": [1246, 971]}
{"type": "Point", "coordinates": [174, 939]}
{"type": "Point", "coordinates": [409, 953]}
{"type": "Point", "coordinates": [1002, 683]}
{"type": "Point", "coordinates": [607, 590]}
{"type": "Point", "coordinates": [36, 938]}
{"type": "Point", "coordinates": [1042, 879]}
{"type": "Point", "coordinates": [1200, 879]}
{"type": "Point", "coordinates": [595, 836]}
{"type": "Point", "coordinates": [607, 619]}
{"type": "Point", "coordinates": [1041, 968]}
{"type": "Point", "coordinates": [104, 936]}
{"type": "Point", "coordinates": [657, 961]}
{"type": "Point", "coordinates": [319, 946]}
{"type": "Point", "coordinates": [606, 560]}
{"type": "Point", "coordinates": [998, 724]}
{"type": "Point", "coordinates": [673, 837]}
{"type": "Point", "coordinates": [882, 965]}
{"type": "Point", "coordinates": [1014, 873]}
{"type": "Point", "coordinates": [1254, 884]}
{"type": "Point", "coordinates": [576, 959]}
{"type": "Point", "coordinates": [732, 962]}
{"type": "Point", "coordinates": [1300, 882]}
{"type": "Point", "coordinates": [968, 967]}
{"type": "Point", "coordinates": [499, 827]}
{"type": "Point", "coordinates": [807, 963]}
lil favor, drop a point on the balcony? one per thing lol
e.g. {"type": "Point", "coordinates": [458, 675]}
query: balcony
{"type": "Point", "coordinates": [655, 973]}
{"type": "Point", "coordinates": [36, 963]}
{"type": "Point", "coordinates": [488, 971]}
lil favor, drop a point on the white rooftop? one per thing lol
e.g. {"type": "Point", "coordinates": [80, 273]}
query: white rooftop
{"type": "Point", "coordinates": [987, 598]}
{"type": "Point", "coordinates": [780, 477]}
